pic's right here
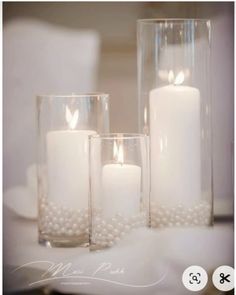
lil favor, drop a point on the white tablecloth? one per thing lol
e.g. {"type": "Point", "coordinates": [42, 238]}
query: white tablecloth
{"type": "Point", "coordinates": [145, 262]}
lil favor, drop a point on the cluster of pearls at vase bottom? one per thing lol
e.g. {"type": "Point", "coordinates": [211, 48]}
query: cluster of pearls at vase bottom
{"type": "Point", "coordinates": [106, 232]}
{"type": "Point", "coordinates": [61, 221]}
{"type": "Point", "coordinates": [180, 215]}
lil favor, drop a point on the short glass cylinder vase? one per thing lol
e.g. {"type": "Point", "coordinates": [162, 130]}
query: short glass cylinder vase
{"type": "Point", "coordinates": [119, 187]}
{"type": "Point", "coordinates": [174, 89]}
{"type": "Point", "coordinates": [64, 125]}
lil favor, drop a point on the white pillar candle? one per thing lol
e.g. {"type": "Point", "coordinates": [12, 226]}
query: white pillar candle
{"type": "Point", "coordinates": [121, 186]}
{"type": "Point", "coordinates": [68, 167]}
{"type": "Point", "coordinates": [68, 164]}
{"type": "Point", "coordinates": [175, 144]}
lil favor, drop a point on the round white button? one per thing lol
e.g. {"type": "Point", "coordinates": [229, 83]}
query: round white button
{"type": "Point", "coordinates": [223, 278]}
{"type": "Point", "coordinates": [194, 278]}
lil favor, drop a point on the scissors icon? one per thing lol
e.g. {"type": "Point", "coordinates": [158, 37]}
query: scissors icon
{"type": "Point", "coordinates": [224, 278]}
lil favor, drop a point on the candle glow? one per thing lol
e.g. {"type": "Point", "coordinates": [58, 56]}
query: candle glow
{"type": "Point", "coordinates": [179, 78]}
{"type": "Point", "coordinates": [118, 153]}
{"type": "Point", "coordinates": [121, 185]}
{"type": "Point", "coordinates": [72, 119]}
{"type": "Point", "coordinates": [67, 155]}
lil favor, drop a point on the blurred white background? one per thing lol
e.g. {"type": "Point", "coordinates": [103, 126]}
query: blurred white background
{"type": "Point", "coordinates": [79, 47]}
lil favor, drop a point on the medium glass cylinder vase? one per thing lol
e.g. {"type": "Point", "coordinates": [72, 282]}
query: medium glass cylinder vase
{"type": "Point", "coordinates": [175, 111]}
{"type": "Point", "coordinates": [119, 182]}
{"type": "Point", "coordinates": [64, 125]}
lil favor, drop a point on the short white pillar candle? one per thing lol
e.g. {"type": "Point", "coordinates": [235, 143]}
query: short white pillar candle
{"type": "Point", "coordinates": [121, 188]}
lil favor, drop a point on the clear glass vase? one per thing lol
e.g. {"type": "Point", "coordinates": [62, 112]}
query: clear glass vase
{"type": "Point", "coordinates": [174, 89]}
{"type": "Point", "coordinates": [119, 182]}
{"type": "Point", "coordinates": [64, 125]}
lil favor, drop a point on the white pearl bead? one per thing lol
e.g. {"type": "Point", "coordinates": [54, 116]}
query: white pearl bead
{"type": "Point", "coordinates": [125, 220]}
{"type": "Point", "coordinates": [115, 231]}
{"type": "Point", "coordinates": [110, 237]}
{"type": "Point", "coordinates": [104, 231]}
{"type": "Point", "coordinates": [120, 225]}
{"type": "Point", "coordinates": [164, 220]}
{"type": "Point", "coordinates": [110, 227]}
{"type": "Point", "coordinates": [82, 226]}
{"type": "Point", "coordinates": [97, 220]}
{"type": "Point", "coordinates": [98, 227]}
{"type": "Point", "coordinates": [55, 227]}
{"type": "Point", "coordinates": [70, 232]}
{"type": "Point", "coordinates": [74, 226]}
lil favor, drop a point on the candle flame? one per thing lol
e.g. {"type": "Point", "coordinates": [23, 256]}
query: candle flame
{"type": "Point", "coordinates": [118, 153]}
{"type": "Point", "coordinates": [72, 119]}
{"type": "Point", "coordinates": [145, 115]}
{"type": "Point", "coordinates": [179, 79]}
{"type": "Point", "coordinates": [171, 76]}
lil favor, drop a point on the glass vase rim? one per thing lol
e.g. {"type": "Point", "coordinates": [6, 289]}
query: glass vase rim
{"type": "Point", "coordinates": [118, 135]}
{"type": "Point", "coordinates": [174, 20]}
{"type": "Point", "coordinates": [73, 95]}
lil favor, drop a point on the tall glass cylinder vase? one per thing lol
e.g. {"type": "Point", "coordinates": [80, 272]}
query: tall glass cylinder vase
{"type": "Point", "coordinates": [175, 111]}
{"type": "Point", "coordinates": [119, 183]}
{"type": "Point", "coordinates": [64, 125]}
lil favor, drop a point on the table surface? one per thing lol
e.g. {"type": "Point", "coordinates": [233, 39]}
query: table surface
{"type": "Point", "coordinates": [146, 259]}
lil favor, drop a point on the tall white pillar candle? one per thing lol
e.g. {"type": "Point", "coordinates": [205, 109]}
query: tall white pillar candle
{"type": "Point", "coordinates": [68, 167]}
{"type": "Point", "coordinates": [175, 145]}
